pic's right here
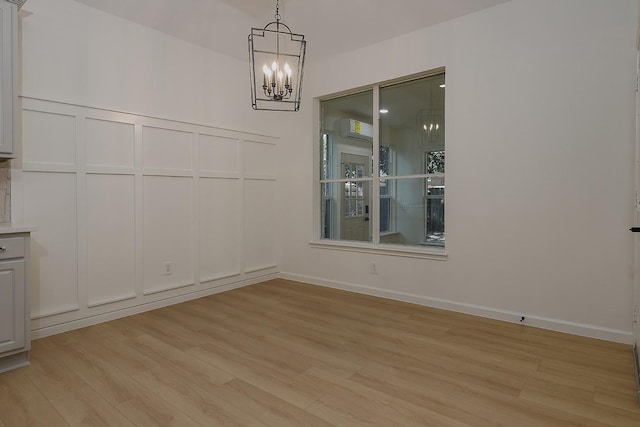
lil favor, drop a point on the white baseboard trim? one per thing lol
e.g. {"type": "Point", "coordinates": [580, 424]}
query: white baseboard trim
{"type": "Point", "coordinates": [591, 331]}
{"type": "Point", "coordinates": [141, 308]}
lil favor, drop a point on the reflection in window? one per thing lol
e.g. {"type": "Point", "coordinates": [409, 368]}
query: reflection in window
{"type": "Point", "coordinates": [353, 191]}
{"type": "Point", "coordinates": [385, 214]}
{"type": "Point", "coordinates": [434, 217]}
{"type": "Point", "coordinates": [404, 162]}
{"type": "Point", "coordinates": [414, 132]}
{"type": "Point", "coordinates": [435, 162]}
{"type": "Point", "coordinates": [385, 161]}
{"type": "Point", "coordinates": [346, 168]}
{"type": "Point", "coordinates": [386, 164]}
{"type": "Point", "coordinates": [326, 194]}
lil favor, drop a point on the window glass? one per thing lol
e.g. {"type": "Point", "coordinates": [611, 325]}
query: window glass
{"type": "Point", "coordinates": [409, 214]}
{"type": "Point", "coordinates": [434, 162]}
{"type": "Point", "coordinates": [386, 189]}
{"type": "Point", "coordinates": [347, 127]}
{"type": "Point", "coordinates": [434, 212]}
{"type": "Point", "coordinates": [346, 169]}
{"type": "Point", "coordinates": [414, 121]}
{"type": "Point", "coordinates": [385, 214]}
{"type": "Point", "coordinates": [385, 161]}
{"type": "Point", "coordinates": [346, 211]}
{"type": "Point", "coordinates": [408, 176]}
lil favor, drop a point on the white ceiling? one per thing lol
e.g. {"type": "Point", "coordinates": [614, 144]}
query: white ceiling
{"type": "Point", "coordinates": [330, 26]}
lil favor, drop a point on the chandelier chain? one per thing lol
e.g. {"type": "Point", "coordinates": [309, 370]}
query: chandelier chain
{"type": "Point", "coordinates": [278, 17]}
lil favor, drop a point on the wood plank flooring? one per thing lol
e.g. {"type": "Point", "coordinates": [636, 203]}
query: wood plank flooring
{"type": "Point", "coordinates": [283, 354]}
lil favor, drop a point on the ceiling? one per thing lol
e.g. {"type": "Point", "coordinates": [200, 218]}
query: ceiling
{"type": "Point", "coordinates": [330, 26]}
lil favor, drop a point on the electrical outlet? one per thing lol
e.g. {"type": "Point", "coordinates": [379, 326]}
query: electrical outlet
{"type": "Point", "coordinates": [168, 268]}
{"type": "Point", "coordinates": [373, 268]}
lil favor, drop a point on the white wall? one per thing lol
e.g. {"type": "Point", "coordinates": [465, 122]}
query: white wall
{"type": "Point", "coordinates": [77, 54]}
{"type": "Point", "coordinates": [540, 134]}
{"type": "Point", "coordinates": [138, 150]}
{"type": "Point", "coordinates": [540, 128]}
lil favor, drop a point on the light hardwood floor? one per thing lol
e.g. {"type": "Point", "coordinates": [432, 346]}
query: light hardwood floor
{"type": "Point", "coordinates": [283, 353]}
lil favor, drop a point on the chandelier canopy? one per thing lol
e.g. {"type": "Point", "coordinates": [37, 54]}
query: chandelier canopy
{"type": "Point", "coordinates": [276, 61]}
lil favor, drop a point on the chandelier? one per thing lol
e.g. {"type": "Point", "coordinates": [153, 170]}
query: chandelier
{"type": "Point", "coordinates": [276, 60]}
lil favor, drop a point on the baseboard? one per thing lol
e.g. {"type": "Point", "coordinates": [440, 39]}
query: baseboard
{"type": "Point", "coordinates": [584, 330]}
{"type": "Point", "coordinates": [141, 308]}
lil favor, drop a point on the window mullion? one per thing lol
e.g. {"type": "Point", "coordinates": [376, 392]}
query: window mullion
{"type": "Point", "coordinates": [374, 213]}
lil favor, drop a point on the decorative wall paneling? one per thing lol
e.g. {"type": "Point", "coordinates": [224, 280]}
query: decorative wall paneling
{"type": "Point", "coordinates": [135, 212]}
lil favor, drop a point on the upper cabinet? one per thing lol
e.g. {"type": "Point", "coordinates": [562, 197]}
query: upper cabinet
{"type": "Point", "coordinates": [8, 78]}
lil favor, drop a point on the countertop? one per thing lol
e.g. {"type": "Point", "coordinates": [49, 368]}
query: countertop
{"type": "Point", "coordinates": [16, 228]}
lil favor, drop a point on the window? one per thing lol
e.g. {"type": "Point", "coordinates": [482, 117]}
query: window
{"type": "Point", "coordinates": [387, 188]}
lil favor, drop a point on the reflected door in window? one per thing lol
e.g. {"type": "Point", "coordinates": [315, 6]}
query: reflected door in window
{"type": "Point", "coordinates": [355, 196]}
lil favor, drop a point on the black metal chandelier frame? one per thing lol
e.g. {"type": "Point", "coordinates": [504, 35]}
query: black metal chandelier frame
{"type": "Point", "coordinates": [280, 90]}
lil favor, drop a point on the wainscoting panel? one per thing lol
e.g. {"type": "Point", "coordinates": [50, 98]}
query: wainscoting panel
{"type": "Point", "coordinates": [168, 233]}
{"type": "Point", "coordinates": [260, 217]}
{"type": "Point", "coordinates": [135, 212]}
{"type": "Point", "coordinates": [219, 228]}
{"type": "Point", "coordinates": [51, 138]}
{"type": "Point", "coordinates": [166, 149]}
{"type": "Point", "coordinates": [260, 158]}
{"type": "Point", "coordinates": [50, 201]}
{"type": "Point", "coordinates": [109, 143]}
{"type": "Point", "coordinates": [218, 155]}
{"type": "Point", "coordinates": [111, 269]}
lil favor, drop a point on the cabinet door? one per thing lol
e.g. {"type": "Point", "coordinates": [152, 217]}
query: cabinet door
{"type": "Point", "coordinates": [12, 306]}
{"type": "Point", "coordinates": [8, 74]}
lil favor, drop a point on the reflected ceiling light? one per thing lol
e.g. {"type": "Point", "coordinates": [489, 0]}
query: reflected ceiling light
{"type": "Point", "coordinates": [384, 111]}
{"type": "Point", "coordinates": [443, 85]}
{"type": "Point", "coordinates": [276, 61]}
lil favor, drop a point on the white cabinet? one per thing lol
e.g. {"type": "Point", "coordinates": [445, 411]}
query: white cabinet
{"type": "Point", "coordinates": [12, 320]}
{"type": "Point", "coordinates": [15, 307]}
{"type": "Point", "coordinates": [8, 77]}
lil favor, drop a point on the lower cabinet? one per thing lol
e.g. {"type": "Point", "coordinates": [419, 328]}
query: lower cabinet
{"type": "Point", "coordinates": [15, 334]}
